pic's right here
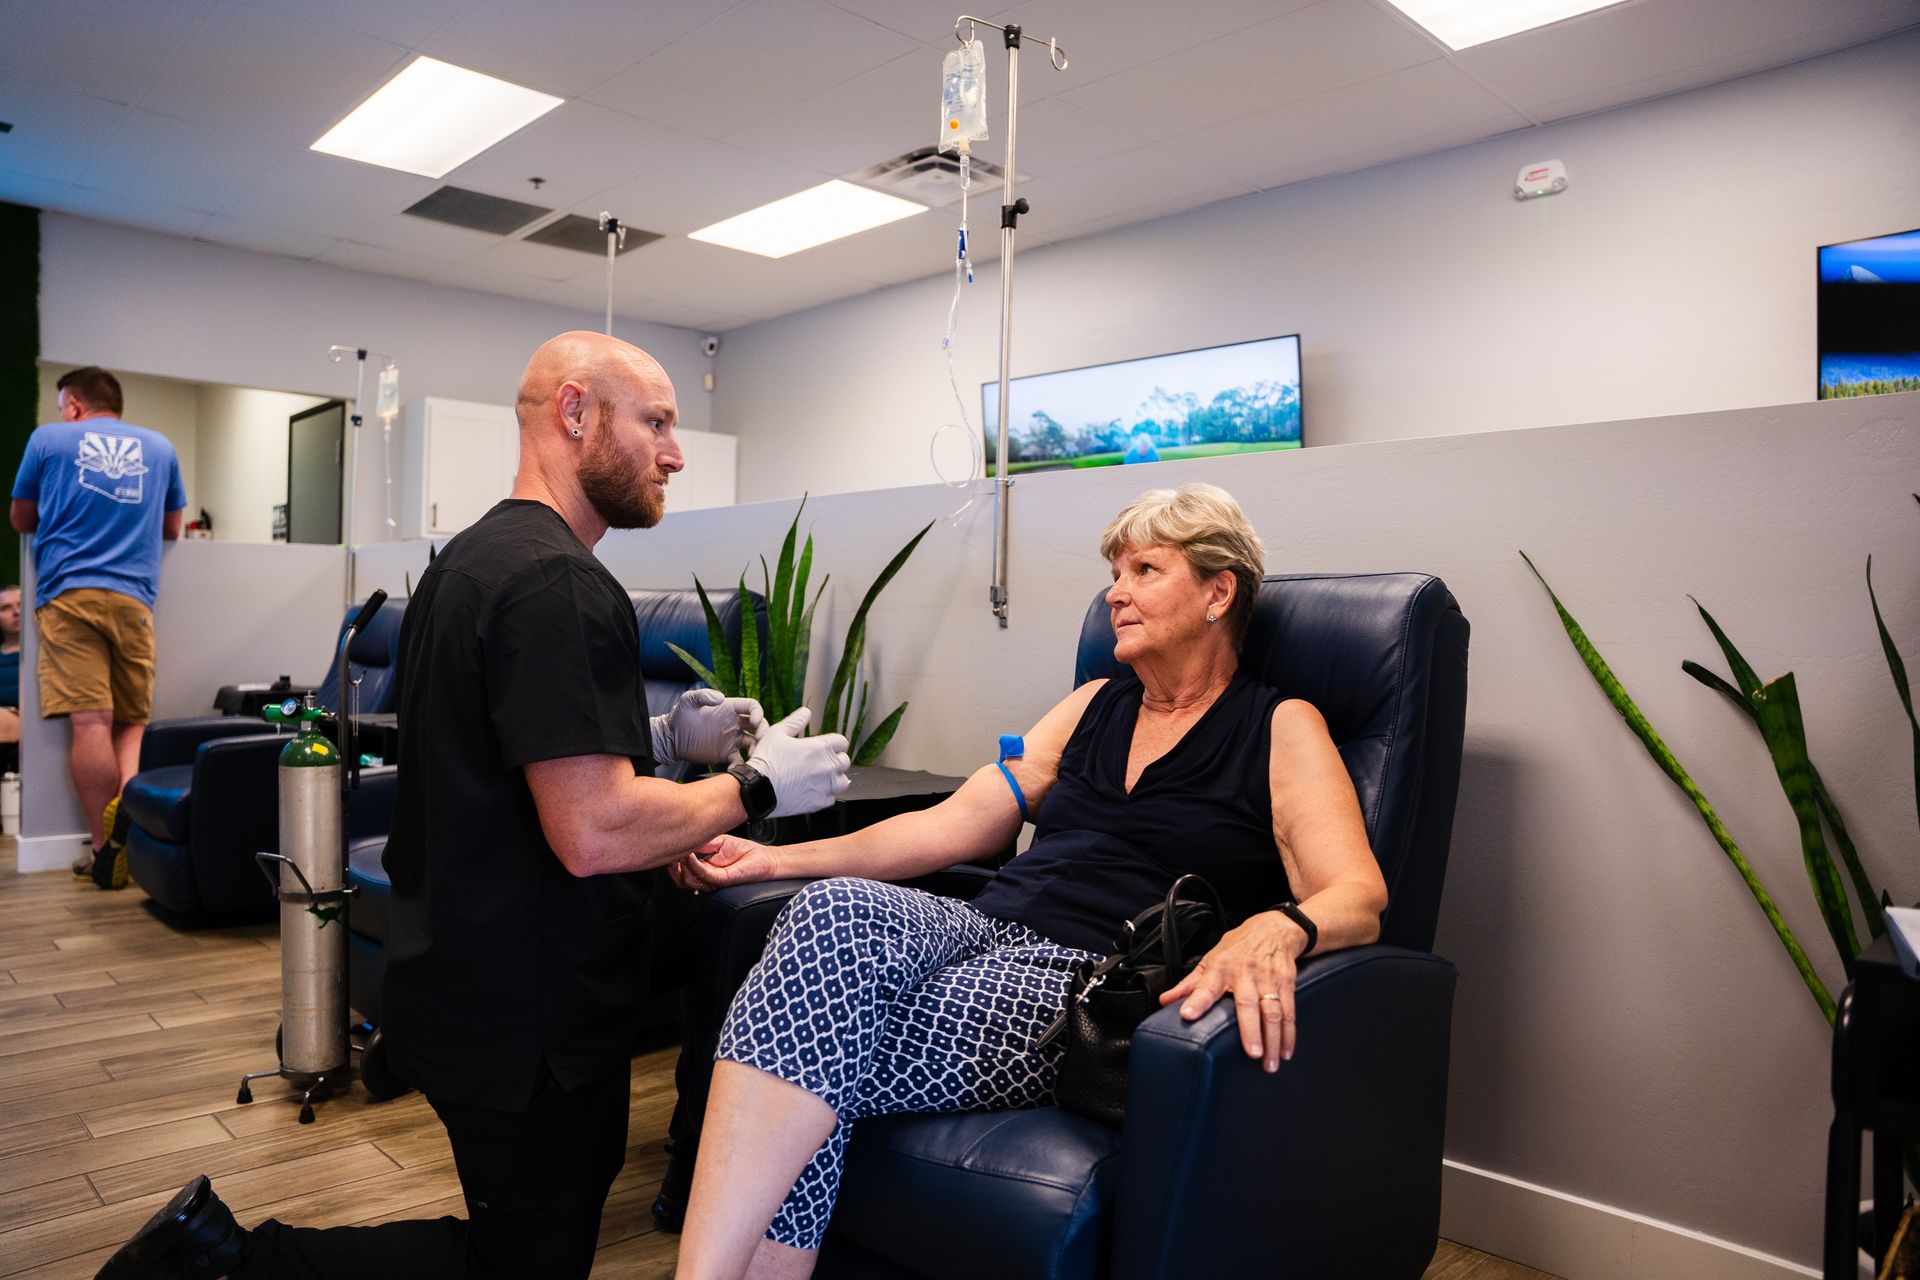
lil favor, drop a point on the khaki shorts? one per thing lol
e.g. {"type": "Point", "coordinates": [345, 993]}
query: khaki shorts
{"type": "Point", "coordinates": [96, 654]}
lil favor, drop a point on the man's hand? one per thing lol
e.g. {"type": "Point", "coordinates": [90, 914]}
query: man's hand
{"type": "Point", "coordinates": [704, 726]}
{"type": "Point", "coordinates": [807, 773]}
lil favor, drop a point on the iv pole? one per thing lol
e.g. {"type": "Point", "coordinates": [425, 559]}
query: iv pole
{"type": "Point", "coordinates": [336, 353]}
{"type": "Point", "coordinates": [616, 234]}
{"type": "Point", "coordinates": [1010, 211]}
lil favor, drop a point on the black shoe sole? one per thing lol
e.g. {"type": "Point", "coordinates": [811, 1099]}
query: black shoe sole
{"type": "Point", "coordinates": [130, 1261]}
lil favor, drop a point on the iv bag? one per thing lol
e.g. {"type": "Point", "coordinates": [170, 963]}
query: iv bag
{"type": "Point", "coordinates": [386, 400]}
{"type": "Point", "coordinates": [963, 96]}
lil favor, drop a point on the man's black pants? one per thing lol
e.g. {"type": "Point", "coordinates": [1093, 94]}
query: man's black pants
{"type": "Point", "coordinates": [535, 1183]}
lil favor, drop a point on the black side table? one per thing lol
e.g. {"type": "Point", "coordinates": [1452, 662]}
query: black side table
{"type": "Point", "coordinates": [1876, 1088]}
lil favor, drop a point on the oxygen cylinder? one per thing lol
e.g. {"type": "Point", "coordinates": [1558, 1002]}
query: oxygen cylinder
{"type": "Point", "coordinates": [313, 930]}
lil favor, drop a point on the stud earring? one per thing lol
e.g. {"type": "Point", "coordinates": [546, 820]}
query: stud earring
{"type": "Point", "coordinates": [1213, 617]}
{"type": "Point", "coordinates": [576, 433]}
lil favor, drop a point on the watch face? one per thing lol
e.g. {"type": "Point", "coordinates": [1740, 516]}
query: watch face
{"type": "Point", "coordinates": [756, 791]}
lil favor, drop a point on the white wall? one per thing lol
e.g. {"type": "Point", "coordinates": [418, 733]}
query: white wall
{"type": "Point", "coordinates": [226, 612]}
{"type": "Point", "coordinates": [139, 301]}
{"type": "Point", "coordinates": [243, 458]}
{"type": "Point", "coordinates": [1675, 275]}
{"type": "Point", "coordinates": [160, 404]}
{"type": "Point", "coordinates": [1628, 1029]}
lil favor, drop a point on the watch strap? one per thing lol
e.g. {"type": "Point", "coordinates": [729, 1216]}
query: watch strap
{"type": "Point", "coordinates": [1291, 910]}
{"type": "Point", "coordinates": [756, 792]}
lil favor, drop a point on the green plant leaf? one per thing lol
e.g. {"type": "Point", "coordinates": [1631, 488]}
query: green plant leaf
{"type": "Point", "coordinates": [1742, 673]}
{"type": "Point", "coordinates": [1862, 886]}
{"type": "Point", "coordinates": [1899, 671]}
{"type": "Point", "coordinates": [803, 641]}
{"type": "Point", "coordinates": [848, 660]}
{"type": "Point", "coordinates": [839, 694]}
{"type": "Point", "coordinates": [749, 645]}
{"type": "Point", "coordinates": [1617, 695]}
{"type": "Point", "coordinates": [693, 664]}
{"type": "Point", "coordinates": [860, 718]}
{"type": "Point", "coordinates": [1778, 707]}
{"type": "Point", "coordinates": [723, 678]}
{"type": "Point", "coordinates": [883, 734]}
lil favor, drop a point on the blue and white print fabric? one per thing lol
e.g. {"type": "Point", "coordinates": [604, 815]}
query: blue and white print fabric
{"type": "Point", "coordinates": [879, 1000]}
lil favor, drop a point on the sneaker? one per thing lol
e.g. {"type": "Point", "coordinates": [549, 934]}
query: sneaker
{"type": "Point", "coordinates": [193, 1238]}
{"type": "Point", "coordinates": [83, 866]}
{"type": "Point", "coordinates": [110, 863]}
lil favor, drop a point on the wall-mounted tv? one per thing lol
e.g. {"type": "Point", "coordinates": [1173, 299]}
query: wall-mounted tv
{"type": "Point", "coordinates": [1239, 398]}
{"type": "Point", "coordinates": [1870, 316]}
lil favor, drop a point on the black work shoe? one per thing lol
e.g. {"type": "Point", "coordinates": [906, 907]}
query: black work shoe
{"type": "Point", "coordinates": [670, 1205]}
{"type": "Point", "coordinates": [193, 1238]}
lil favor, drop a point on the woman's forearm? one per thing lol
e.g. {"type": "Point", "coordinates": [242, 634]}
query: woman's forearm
{"type": "Point", "coordinates": [975, 821]}
{"type": "Point", "coordinates": [1347, 914]}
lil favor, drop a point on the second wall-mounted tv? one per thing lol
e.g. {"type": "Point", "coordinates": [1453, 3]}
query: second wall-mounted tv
{"type": "Point", "coordinates": [1239, 398]}
{"type": "Point", "coordinates": [1870, 316]}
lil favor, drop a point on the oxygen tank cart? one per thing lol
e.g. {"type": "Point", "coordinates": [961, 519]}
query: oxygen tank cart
{"type": "Point", "coordinates": [309, 876]}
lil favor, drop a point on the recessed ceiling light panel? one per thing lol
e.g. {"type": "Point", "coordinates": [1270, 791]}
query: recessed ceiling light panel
{"type": "Point", "coordinates": [434, 117]}
{"type": "Point", "coordinates": [831, 211]}
{"type": "Point", "coordinates": [1461, 24]}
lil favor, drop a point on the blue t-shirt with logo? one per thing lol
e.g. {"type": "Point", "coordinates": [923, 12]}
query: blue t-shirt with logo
{"type": "Point", "coordinates": [104, 487]}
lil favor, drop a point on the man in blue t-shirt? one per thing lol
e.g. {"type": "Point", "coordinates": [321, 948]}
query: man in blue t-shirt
{"type": "Point", "coordinates": [99, 495]}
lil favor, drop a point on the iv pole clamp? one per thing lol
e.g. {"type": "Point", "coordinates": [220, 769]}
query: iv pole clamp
{"type": "Point", "coordinates": [1010, 212]}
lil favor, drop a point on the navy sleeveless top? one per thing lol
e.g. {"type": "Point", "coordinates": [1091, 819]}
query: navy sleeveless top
{"type": "Point", "coordinates": [1101, 854]}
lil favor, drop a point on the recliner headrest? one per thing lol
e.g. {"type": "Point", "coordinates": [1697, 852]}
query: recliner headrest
{"type": "Point", "coordinates": [674, 616]}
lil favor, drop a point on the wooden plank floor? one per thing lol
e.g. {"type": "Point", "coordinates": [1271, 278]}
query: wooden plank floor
{"type": "Point", "coordinates": [122, 1040]}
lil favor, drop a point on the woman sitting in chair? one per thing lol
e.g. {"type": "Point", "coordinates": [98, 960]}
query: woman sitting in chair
{"type": "Point", "coordinates": [874, 999]}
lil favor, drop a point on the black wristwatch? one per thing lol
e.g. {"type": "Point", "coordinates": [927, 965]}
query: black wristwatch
{"type": "Point", "coordinates": [1291, 910]}
{"type": "Point", "coordinates": [756, 790]}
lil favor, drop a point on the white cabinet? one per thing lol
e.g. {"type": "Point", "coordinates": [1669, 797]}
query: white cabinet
{"type": "Point", "coordinates": [457, 460]}
{"type": "Point", "coordinates": [707, 480]}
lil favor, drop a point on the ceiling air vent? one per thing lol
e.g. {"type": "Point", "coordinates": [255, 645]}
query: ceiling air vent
{"type": "Point", "coordinates": [476, 211]}
{"type": "Point", "coordinates": [931, 177]}
{"type": "Point", "coordinates": [584, 235]}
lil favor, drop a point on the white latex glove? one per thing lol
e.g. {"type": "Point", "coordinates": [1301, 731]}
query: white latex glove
{"type": "Point", "coordinates": [807, 773]}
{"type": "Point", "coordinates": [704, 726]}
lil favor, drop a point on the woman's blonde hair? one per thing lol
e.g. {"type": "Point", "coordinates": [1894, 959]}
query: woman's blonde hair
{"type": "Point", "coordinates": [1207, 527]}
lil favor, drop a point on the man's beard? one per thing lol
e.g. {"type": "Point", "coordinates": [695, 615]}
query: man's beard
{"type": "Point", "coordinates": [613, 482]}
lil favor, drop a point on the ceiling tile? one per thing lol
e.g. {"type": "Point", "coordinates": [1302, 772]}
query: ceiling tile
{"type": "Point", "coordinates": [1343, 130]}
{"type": "Point", "coordinates": [177, 162]}
{"type": "Point", "coordinates": [542, 262]}
{"type": "Point", "coordinates": [580, 149]}
{"type": "Point", "coordinates": [403, 24]}
{"type": "Point", "coordinates": [710, 181]}
{"type": "Point", "coordinates": [327, 195]}
{"type": "Point", "coordinates": [875, 116]}
{"type": "Point", "coordinates": [429, 239]}
{"type": "Point", "coordinates": [1730, 66]}
{"type": "Point", "coordinates": [263, 237]}
{"type": "Point", "coordinates": [1314, 50]}
{"type": "Point", "coordinates": [930, 21]}
{"type": "Point", "coordinates": [273, 75]}
{"type": "Point", "coordinates": [117, 42]}
{"type": "Point", "coordinates": [103, 206]}
{"type": "Point", "coordinates": [1054, 135]}
{"type": "Point", "coordinates": [55, 132]}
{"type": "Point", "coordinates": [1102, 37]}
{"type": "Point", "coordinates": [1141, 181]}
{"type": "Point", "coordinates": [567, 48]}
{"type": "Point", "coordinates": [769, 55]}
{"type": "Point", "coordinates": [1652, 38]}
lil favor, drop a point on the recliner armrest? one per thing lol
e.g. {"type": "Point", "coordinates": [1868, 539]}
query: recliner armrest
{"type": "Point", "coordinates": [1355, 1120]}
{"type": "Point", "coordinates": [173, 742]}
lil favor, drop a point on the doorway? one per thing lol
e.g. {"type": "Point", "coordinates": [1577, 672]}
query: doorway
{"type": "Point", "coordinates": [316, 449]}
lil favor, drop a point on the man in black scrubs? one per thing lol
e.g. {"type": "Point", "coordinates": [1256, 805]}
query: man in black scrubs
{"type": "Point", "coordinates": [527, 812]}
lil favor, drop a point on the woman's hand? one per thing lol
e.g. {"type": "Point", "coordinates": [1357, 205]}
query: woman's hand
{"type": "Point", "coordinates": [1255, 964]}
{"type": "Point", "coordinates": [723, 861]}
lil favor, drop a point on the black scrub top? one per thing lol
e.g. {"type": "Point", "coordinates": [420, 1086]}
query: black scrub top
{"type": "Point", "coordinates": [517, 646]}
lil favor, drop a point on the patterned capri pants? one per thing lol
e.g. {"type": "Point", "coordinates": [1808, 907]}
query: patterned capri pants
{"type": "Point", "coordinates": [880, 1000]}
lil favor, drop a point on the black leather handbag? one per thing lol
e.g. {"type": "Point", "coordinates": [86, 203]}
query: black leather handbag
{"type": "Point", "coordinates": [1110, 997]}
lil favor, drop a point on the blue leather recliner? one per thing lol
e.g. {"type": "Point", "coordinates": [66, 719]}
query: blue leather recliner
{"type": "Point", "coordinates": [207, 797]}
{"type": "Point", "coordinates": [664, 616]}
{"type": "Point", "coordinates": [1328, 1169]}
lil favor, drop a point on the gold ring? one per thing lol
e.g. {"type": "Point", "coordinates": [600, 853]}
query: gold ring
{"type": "Point", "coordinates": [1272, 995]}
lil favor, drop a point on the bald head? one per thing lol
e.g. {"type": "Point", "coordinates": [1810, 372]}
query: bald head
{"type": "Point", "coordinates": [596, 433]}
{"type": "Point", "coordinates": [606, 367]}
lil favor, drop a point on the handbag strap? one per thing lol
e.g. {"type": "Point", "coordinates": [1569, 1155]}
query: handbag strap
{"type": "Point", "coordinates": [1151, 927]}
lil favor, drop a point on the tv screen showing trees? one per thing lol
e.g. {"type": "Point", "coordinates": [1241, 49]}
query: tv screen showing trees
{"type": "Point", "coordinates": [1241, 398]}
{"type": "Point", "coordinates": [1869, 316]}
